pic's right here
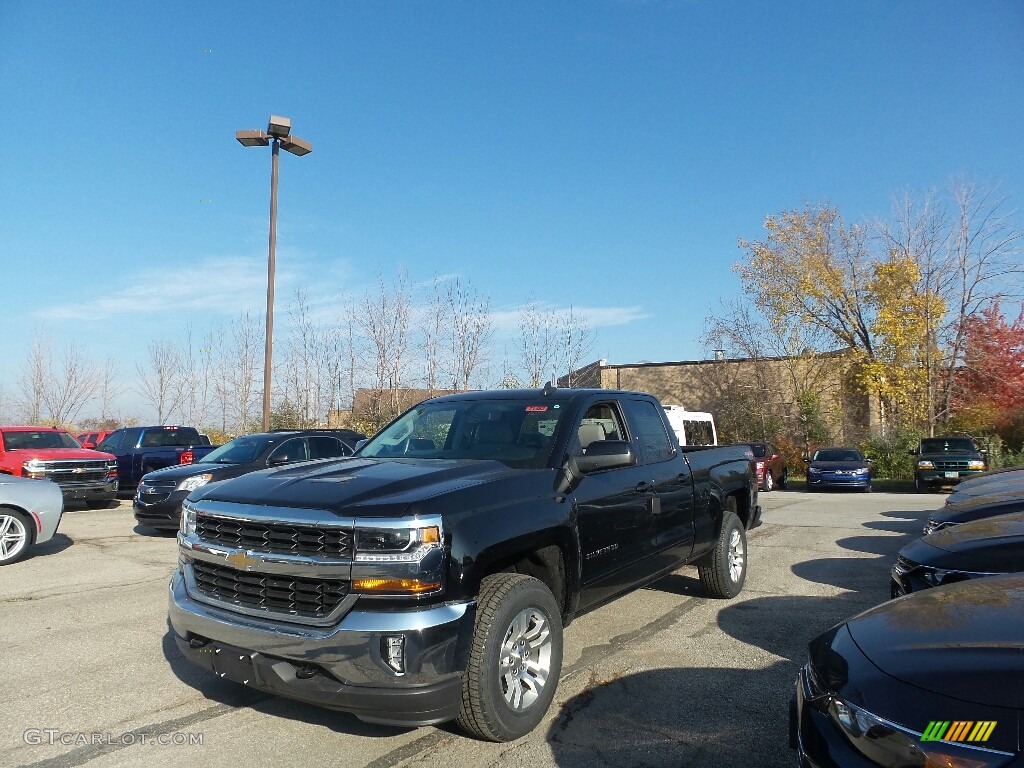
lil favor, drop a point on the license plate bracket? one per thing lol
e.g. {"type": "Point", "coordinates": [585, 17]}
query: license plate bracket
{"type": "Point", "coordinates": [236, 666]}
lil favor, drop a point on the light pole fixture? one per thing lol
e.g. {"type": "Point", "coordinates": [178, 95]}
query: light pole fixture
{"type": "Point", "coordinates": [278, 131]}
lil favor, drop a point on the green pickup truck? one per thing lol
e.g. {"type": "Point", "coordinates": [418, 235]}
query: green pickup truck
{"type": "Point", "coordinates": [943, 461]}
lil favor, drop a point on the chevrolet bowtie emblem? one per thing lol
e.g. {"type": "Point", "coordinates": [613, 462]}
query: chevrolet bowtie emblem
{"type": "Point", "coordinates": [241, 561]}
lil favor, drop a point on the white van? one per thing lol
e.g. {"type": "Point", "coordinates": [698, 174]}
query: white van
{"type": "Point", "coordinates": [691, 427]}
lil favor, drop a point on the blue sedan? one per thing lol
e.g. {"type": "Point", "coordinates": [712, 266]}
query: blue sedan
{"type": "Point", "coordinates": [838, 468]}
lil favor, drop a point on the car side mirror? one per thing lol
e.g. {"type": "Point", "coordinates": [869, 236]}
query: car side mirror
{"type": "Point", "coordinates": [277, 461]}
{"type": "Point", "coordinates": [606, 454]}
{"type": "Point", "coordinates": [807, 459]}
{"type": "Point", "coordinates": [361, 443]}
{"type": "Point", "coordinates": [912, 451]}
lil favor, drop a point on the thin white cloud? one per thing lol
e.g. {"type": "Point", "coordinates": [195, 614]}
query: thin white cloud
{"type": "Point", "coordinates": [507, 320]}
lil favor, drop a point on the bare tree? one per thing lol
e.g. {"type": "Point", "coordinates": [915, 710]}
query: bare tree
{"type": "Point", "coordinates": [537, 342]}
{"type": "Point", "coordinates": [72, 382]}
{"type": "Point", "coordinates": [434, 328]}
{"type": "Point", "coordinates": [160, 382]}
{"type": "Point", "coordinates": [32, 379]}
{"type": "Point", "coordinates": [470, 332]}
{"type": "Point", "coordinates": [384, 321]}
{"type": "Point", "coordinates": [238, 369]}
{"type": "Point", "coordinates": [575, 341]}
{"type": "Point", "coordinates": [196, 378]}
{"type": "Point", "coordinates": [110, 388]}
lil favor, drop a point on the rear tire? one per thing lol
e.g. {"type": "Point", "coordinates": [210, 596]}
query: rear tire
{"type": "Point", "coordinates": [15, 535]}
{"type": "Point", "coordinates": [515, 659]}
{"type": "Point", "coordinates": [724, 569]}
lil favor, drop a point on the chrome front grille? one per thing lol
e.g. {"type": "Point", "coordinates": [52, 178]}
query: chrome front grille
{"type": "Point", "coordinates": [152, 491]}
{"type": "Point", "coordinates": [71, 472]}
{"type": "Point", "coordinates": [273, 593]}
{"type": "Point", "coordinates": [327, 542]}
{"type": "Point", "coordinates": [951, 465]}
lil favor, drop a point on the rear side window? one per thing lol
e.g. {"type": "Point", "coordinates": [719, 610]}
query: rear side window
{"type": "Point", "coordinates": [289, 451]}
{"type": "Point", "coordinates": [655, 444]}
{"type": "Point", "coordinates": [327, 448]}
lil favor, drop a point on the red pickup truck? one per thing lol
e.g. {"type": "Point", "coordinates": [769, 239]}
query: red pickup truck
{"type": "Point", "coordinates": [50, 453]}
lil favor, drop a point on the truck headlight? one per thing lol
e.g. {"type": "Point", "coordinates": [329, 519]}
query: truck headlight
{"type": "Point", "coordinates": [396, 545]}
{"type": "Point", "coordinates": [975, 464]}
{"type": "Point", "coordinates": [33, 468]}
{"type": "Point", "coordinates": [188, 519]}
{"type": "Point", "coordinates": [196, 481]}
{"type": "Point", "coordinates": [925, 464]}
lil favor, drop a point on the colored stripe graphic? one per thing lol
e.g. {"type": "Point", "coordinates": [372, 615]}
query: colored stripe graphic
{"type": "Point", "coordinates": [958, 730]}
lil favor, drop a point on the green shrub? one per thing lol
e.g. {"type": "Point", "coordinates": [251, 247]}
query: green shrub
{"type": "Point", "coordinates": [890, 454]}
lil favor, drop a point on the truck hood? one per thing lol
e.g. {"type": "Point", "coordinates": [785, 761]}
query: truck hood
{"type": "Point", "coordinates": [61, 454]}
{"type": "Point", "coordinates": [357, 486]}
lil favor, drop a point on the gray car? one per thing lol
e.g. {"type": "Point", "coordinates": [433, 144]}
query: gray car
{"type": "Point", "coordinates": [30, 512]}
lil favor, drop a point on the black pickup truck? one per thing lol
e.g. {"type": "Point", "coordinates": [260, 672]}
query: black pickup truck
{"type": "Point", "coordinates": [429, 577]}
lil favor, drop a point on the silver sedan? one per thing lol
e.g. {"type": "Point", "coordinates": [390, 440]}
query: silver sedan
{"type": "Point", "coordinates": [30, 512]}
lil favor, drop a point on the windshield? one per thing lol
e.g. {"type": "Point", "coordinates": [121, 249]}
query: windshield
{"type": "Point", "coordinates": [241, 450]}
{"type": "Point", "coordinates": [515, 432]}
{"type": "Point", "coordinates": [948, 445]}
{"type": "Point", "coordinates": [838, 454]}
{"type": "Point", "coordinates": [48, 438]}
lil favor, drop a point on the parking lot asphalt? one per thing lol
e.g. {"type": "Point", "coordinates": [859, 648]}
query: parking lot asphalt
{"type": "Point", "coordinates": [659, 677]}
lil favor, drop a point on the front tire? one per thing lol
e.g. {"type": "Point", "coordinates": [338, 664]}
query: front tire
{"type": "Point", "coordinates": [724, 569]}
{"type": "Point", "coordinates": [15, 536]}
{"type": "Point", "coordinates": [515, 659]}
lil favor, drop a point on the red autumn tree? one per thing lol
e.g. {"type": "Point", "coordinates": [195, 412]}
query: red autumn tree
{"type": "Point", "coordinates": [990, 385]}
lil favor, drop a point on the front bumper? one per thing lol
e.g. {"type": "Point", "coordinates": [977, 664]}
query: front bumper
{"type": "Point", "coordinates": [105, 490]}
{"type": "Point", "coordinates": [165, 513]}
{"type": "Point", "coordinates": [839, 481]}
{"type": "Point", "coordinates": [937, 478]}
{"type": "Point", "coordinates": [339, 667]}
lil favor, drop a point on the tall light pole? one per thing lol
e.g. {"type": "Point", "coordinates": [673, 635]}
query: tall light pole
{"type": "Point", "coordinates": [279, 132]}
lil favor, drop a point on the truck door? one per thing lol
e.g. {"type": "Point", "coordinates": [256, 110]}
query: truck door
{"type": "Point", "coordinates": [673, 503]}
{"type": "Point", "coordinates": [613, 510]}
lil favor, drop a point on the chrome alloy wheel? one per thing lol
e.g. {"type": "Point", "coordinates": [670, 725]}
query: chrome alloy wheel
{"type": "Point", "coordinates": [525, 661]}
{"type": "Point", "coordinates": [736, 556]}
{"type": "Point", "coordinates": [13, 537]}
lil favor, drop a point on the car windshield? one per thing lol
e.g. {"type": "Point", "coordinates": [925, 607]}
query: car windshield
{"type": "Point", "coordinates": [515, 432]}
{"type": "Point", "coordinates": [837, 454]}
{"type": "Point", "coordinates": [948, 445]}
{"type": "Point", "coordinates": [241, 450]}
{"type": "Point", "coordinates": [44, 438]}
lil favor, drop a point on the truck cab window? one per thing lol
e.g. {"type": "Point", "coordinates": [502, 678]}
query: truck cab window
{"type": "Point", "coordinates": [600, 422]}
{"type": "Point", "coordinates": [655, 445]}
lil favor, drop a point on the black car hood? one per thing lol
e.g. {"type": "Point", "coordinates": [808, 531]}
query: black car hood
{"type": "Point", "coordinates": [963, 640]}
{"type": "Point", "coordinates": [357, 485]}
{"type": "Point", "coordinates": [181, 471]}
{"type": "Point", "coordinates": [990, 545]}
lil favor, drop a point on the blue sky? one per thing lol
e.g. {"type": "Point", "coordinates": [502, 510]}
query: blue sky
{"type": "Point", "coordinates": [605, 154]}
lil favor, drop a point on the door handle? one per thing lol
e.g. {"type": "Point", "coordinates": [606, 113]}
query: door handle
{"type": "Point", "coordinates": [644, 487]}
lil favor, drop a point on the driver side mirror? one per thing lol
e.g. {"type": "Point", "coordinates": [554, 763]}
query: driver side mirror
{"type": "Point", "coordinates": [606, 454]}
{"type": "Point", "coordinates": [361, 443]}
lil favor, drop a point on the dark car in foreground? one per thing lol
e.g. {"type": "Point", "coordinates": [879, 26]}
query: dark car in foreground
{"type": "Point", "coordinates": [983, 548]}
{"type": "Point", "coordinates": [158, 499]}
{"type": "Point", "coordinates": [930, 679]}
{"type": "Point", "coordinates": [977, 508]}
{"type": "Point", "coordinates": [946, 461]}
{"type": "Point", "coordinates": [838, 468]}
{"type": "Point", "coordinates": [1005, 480]}
{"type": "Point", "coordinates": [770, 466]}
